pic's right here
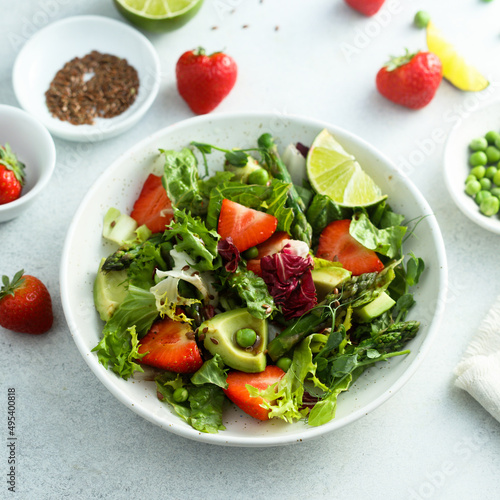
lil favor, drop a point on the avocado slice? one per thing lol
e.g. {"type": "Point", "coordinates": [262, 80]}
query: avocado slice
{"type": "Point", "coordinates": [110, 289]}
{"type": "Point", "coordinates": [326, 279]}
{"type": "Point", "coordinates": [374, 308]}
{"type": "Point", "coordinates": [241, 173]}
{"type": "Point", "coordinates": [220, 338]}
{"type": "Point", "coordinates": [118, 227]}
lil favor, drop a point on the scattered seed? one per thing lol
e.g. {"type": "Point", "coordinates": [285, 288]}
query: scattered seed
{"type": "Point", "coordinates": [201, 337]}
{"type": "Point", "coordinates": [276, 28]}
{"type": "Point", "coordinates": [185, 268]}
{"type": "Point", "coordinates": [94, 86]}
{"type": "Point", "coordinates": [190, 335]}
{"type": "Point", "coordinates": [214, 28]}
{"type": "Point", "coordinates": [205, 330]}
{"type": "Point", "coordinates": [215, 341]}
{"type": "Point", "coordinates": [245, 26]}
{"type": "Point", "coordinates": [159, 395]}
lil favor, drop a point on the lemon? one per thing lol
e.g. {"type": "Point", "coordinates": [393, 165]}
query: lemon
{"type": "Point", "coordinates": [455, 69]}
{"type": "Point", "coordinates": [158, 15]}
{"type": "Point", "coordinates": [334, 172]}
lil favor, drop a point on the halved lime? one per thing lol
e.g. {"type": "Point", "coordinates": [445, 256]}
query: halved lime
{"type": "Point", "coordinates": [334, 172]}
{"type": "Point", "coordinates": [455, 68]}
{"type": "Point", "coordinates": [158, 15]}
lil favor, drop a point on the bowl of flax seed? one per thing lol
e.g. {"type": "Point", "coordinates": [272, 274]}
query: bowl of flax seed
{"type": "Point", "coordinates": [87, 88]}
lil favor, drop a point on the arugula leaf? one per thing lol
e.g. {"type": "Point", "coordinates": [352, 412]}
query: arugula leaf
{"type": "Point", "coordinates": [220, 177]}
{"type": "Point", "coordinates": [270, 199]}
{"type": "Point", "coordinates": [193, 238]}
{"type": "Point", "coordinates": [132, 320]}
{"type": "Point", "coordinates": [414, 268]}
{"type": "Point", "coordinates": [180, 179]}
{"type": "Point", "coordinates": [384, 241]}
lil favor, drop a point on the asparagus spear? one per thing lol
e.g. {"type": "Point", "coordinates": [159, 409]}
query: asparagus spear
{"type": "Point", "coordinates": [301, 229]}
{"type": "Point", "coordinates": [123, 257]}
{"type": "Point", "coordinates": [358, 290]}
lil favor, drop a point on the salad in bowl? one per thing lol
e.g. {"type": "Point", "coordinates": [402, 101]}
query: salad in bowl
{"type": "Point", "coordinates": [247, 291]}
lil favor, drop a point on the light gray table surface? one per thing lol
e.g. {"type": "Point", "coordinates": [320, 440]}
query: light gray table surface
{"type": "Point", "coordinates": [318, 59]}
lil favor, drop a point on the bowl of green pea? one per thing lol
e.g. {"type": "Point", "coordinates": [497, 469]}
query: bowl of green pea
{"type": "Point", "coordinates": [472, 166]}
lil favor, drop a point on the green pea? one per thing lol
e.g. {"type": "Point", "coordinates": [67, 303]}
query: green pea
{"type": "Point", "coordinates": [251, 253]}
{"type": "Point", "coordinates": [259, 176]}
{"type": "Point", "coordinates": [478, 172]}
{"type": "Point", "coordinates": [497, 143]}
{"type": "Point", "coordinates": [421, 19]}
{"type": "Point", "coordinates": [493, 154]}
{"type": "Point", "coordinates": [492, 136]}
{"type": "Point", "coordinates": [284, 363]}
{"type": "Point", "coordinates": [246, 337]}
{"type": "Point", "coordinates": [180, 395]}
{"type": "Point", "coordinates": [478, 158]}
{"type": "Point", "coordinates": [485, 183]}
{"type": "Point", "coordinates": [482, 195]}
{"type": "Point", "coordinates": [496, 178]}
{"type": "Point", "coordinates": [490, 206]}
{"type": "Point", "coordinates": [478, 144]}
{"type": "Point", "coordinates": [472, 188]}
{"type": "Point", "coordinates": [490, 172]}
{"type": "Point", "coordinates": [495, 192]}
{"type": "Point", "coordinates": [470, 178]}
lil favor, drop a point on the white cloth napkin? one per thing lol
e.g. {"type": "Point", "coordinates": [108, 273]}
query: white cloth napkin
{"type": "Point", "coordinates": [478, 372]}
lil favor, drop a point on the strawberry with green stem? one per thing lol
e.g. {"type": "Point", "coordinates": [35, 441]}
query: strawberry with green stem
{"type": "Point", "coordinates": [410, 80]}
{"type": "Point", "coordinates": [203, 81]}
{"type": "Point", "coordinates": [25, 304]}
{"type": "Point", "coordinates": [11, 175]}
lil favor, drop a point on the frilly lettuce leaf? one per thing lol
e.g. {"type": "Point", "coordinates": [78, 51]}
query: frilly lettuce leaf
{"type": "Point", "coordinates": [284, 399]}
{"type": "Point", "coordinates": [166, 291]}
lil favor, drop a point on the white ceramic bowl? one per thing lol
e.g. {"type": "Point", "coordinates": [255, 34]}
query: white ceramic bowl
{"type": "Point", "coordinates": [119, 186]}
{"type": "Point", "coordinates": [456, 161]}
{"type": "Point", "coordinates": [49, 49]}
{"type": "Point", "coordinates": [34, 146]}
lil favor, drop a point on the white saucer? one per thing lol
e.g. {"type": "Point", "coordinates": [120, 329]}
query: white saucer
{"type": "Point", "coordinates": [456, 161]}
{"type": "Point", "coordinates": [49, 49]}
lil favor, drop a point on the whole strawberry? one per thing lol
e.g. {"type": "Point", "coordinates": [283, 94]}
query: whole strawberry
{"type": "Point", "coordinates": [204, 81]}
{"type": "Point", "coordinates": [411, 80]}
{"type": "Point", "coordinates": [366, 7]}
{"type": "Point", "coordinates": [11, 175]}
{"type": "Point", "coordinates": [25, 304]}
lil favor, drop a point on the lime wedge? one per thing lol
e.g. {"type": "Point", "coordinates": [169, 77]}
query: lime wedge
{"type": "Point", "coordinates": [334, 172]}
{"type": "Point", "coordinates": [158, 15]}
{"type": "Point", "coordinates": [455, 68]}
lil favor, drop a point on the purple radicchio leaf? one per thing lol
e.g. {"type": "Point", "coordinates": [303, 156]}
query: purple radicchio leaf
{"type": "Point", "coordinates": [289, 281]}
{"type": "Point", "coordinates": [229, 253]}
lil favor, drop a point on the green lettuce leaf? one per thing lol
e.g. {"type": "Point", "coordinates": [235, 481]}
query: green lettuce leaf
{"type": "Point", "coordinates": [212, 371]}
{"type": "Point", "coordinates": [180, 179]}
{"type": "Point", "coordinates": [322, 211]}
{"type": "Point", "coordinates": [386, 241]}
{"type": "Point", "coordinates": [253, 291]}
{"type": "Point", "coordinates": [132, 320]}
{"type": "Point", "coordinates": [203, 408]}
{"type": "Point", "coordinates": [192, 237]}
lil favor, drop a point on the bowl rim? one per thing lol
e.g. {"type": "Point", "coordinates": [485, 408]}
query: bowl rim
{"type": "Point", "coordinates": [459, 196]}
{"type": "Point", "coordinates": [249, 441]}
{"type": "Point", "coordinates": [46, 173]}
{"type": "Point", "coordinates": [94, 133]}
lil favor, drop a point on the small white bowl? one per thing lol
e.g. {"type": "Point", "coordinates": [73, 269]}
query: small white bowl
{"type": "Point", "coordinates": [456, 161]}
{"type": "Point", "coordinates": [34, 146]}
{"type": "Point", "coordinates": [45, 53]}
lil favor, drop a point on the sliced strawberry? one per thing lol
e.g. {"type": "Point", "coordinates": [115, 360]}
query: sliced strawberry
{"type": "Point", "coordinates": [269, 247]}
{"type": "Point", "coordinates": [246, 226]}
{"type": "Point", "coordinates": [337, 245]}
{"type": "Point", "coordinates": [239, 395]}
{"type": "Point", "coordinates": [153, 207]}
{"type": "Point", "coordinates": [171, 346]}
